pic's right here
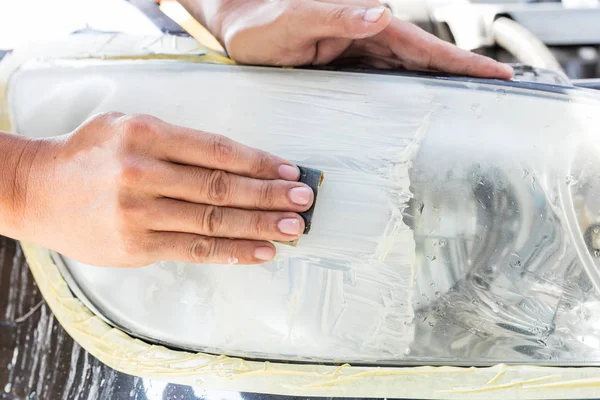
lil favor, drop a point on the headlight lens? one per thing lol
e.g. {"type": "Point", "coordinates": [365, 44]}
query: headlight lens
{"type": "Point", "coordinates": [459, 222]}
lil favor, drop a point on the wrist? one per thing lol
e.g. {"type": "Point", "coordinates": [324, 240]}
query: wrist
{"type": "Point", "coordinates": [20, 176]}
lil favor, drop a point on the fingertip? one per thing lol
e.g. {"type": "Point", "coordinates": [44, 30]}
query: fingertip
{"type": "Point", "coordinates": [375, 14]}
{"type": "Point", "coordinates": [264, 253]}
{"type": "Point", "coordinates": [289, 172]}
{"type": "Point", "coordinates": [375, 20]}
{"type": "Point", "coordinates": [293, 226]}
{"type": "Point", "coordinates": [492, 69]}
{"type": "Point", "coordinates": [301, 196]}
{"type": "Point", "coordinates": [367, 22]}
{"type": "Point", "coordinates": [505, 71]}
{"type": "Point", "coordinates": [499, 71]}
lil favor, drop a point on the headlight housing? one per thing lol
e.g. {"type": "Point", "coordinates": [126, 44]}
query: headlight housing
{"type": "Point", "coordinates": [458, 223]}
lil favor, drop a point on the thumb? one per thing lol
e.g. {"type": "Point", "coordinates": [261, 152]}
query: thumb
{"type": "Point", "coordinates": [345, 21]}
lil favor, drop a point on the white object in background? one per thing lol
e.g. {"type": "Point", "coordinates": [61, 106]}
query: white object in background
{"type": "Point", "coordinates": [581, 3]}
{"type": "Point", "coordinates": [26, 21]}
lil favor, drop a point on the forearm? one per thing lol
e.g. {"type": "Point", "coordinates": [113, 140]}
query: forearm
{"type": "Point", "coordinates": [18, 155]}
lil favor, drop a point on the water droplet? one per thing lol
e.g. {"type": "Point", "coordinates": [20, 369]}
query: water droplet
{"type": "Point", "coordinates": [597, 253]}
{"type": "Point", "coordinates": [525, 173]}
{"type": "Point", "coordinates": [407, 351]}
{"type": "Point", "coordinates": [132, 393]}
{"type": "Point", "coordinates": [7, 387]}
{"type": "Point", "coordinates": [442, 242]}
{"type": "Point", "coordinates": [431, 257]}
{"type": "Point", "coordinates": [437, 294]}
{"type": "Point", "coordinates": [475, 106]}
{"type": "Point", "coordinates": [425, 297]}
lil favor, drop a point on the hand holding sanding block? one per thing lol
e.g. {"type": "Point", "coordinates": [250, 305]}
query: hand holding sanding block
{"type": "Point", "coordinates": [313, 178]}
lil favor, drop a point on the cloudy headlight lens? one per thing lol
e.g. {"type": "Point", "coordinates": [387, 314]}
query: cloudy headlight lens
{"type": "Point", "coordinates": [458, 224]}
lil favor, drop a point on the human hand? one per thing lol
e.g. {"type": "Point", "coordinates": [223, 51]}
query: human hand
{"type": "Point", "coordinates": [131, 190]}
{"type": "Point", "coordinates": [303, 32]}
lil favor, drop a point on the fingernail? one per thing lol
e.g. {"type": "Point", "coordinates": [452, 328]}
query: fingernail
{"type": "Point", "coordinates": [373, 14]}
{"type": "Point", "coordinates": [300, 195]}
{"type": "Point", "coordinates": [264, 253]}
{"type": "Point", "coordinates": [289, 226]}
{"type": "Point", "coordinates": [289, 172]}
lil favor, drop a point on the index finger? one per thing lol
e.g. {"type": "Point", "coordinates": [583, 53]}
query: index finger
{"type": "Point", "coordinates": [201, 149]}
{"type": "Point", "coordinates": [419, 49]}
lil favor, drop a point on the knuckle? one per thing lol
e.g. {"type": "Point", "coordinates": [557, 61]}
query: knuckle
{"type": "Point", "coordinates": [257, 225]}
{"type": "Point", "coordinates": [98, 122]}
{"type": "Point", "coordinates": [135, 127]}
{"type": "Point", "coordinates": [211, 220]}
{"type": "Point", "coordinates": [222, 149]}
{"type": "Point", "coordinates": [219, 187]}
{"type": "Point", "coordinates": [130, 213]}
{"type": "Point", "coordinates": [339, 14]}
{"type": "Point", "coordinates": [262, 165]}
{"type": "Point", "coordinates": [199, 251]}
{"type": "Point", "coordinates": [130, 247]}
{"type": "Point", "coordinates": [131, 173]}
{"type": "Point", "coordinates": [266, 196]}
{"type": "Point", "coordinates": [135, 248]}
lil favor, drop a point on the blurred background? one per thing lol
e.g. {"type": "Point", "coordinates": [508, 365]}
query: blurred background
{"type": "Point", "coordinates": [554, 34]}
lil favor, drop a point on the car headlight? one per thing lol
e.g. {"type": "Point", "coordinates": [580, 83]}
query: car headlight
{"type": "Point", "coordinates": [459, 223]}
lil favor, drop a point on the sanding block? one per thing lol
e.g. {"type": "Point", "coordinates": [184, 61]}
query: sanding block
{"type": "Point", "coordinates": [313, 178]}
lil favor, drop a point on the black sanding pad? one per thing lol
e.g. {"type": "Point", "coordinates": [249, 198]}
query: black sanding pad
{"type": "Point", "coordinates": [313, 179]}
